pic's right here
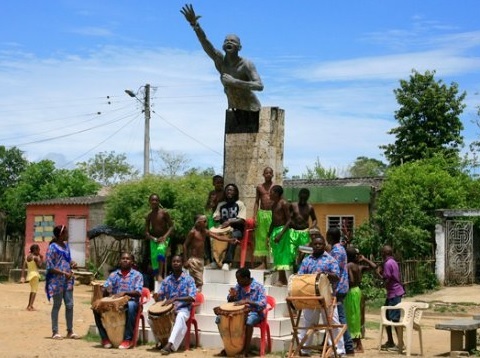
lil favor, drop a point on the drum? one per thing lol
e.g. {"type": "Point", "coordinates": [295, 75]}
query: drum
{"type": "Point", "coordinates": [161, 318]}
{"type": "Point", "coordinates": [113, 317]}
{"type": "Point", "coordinates": [219, 248]}
{"type": "Point", "coordinates": [316, 284]}
{"type": "Point", "coordinates": [232, 326]}
{"type": "Point", "coordinates": [96, 290]}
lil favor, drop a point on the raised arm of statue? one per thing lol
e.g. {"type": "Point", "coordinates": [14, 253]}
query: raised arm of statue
{"type": "Point", "coordinates": [192, 18]}
{"type": "Point", "coordinates": [238, 75]}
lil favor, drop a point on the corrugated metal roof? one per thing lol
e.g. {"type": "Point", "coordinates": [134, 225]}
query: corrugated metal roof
{"type": "Point", "coordinates": [309, 183]}
{"type": "Point", "coordinates": [77, 200]}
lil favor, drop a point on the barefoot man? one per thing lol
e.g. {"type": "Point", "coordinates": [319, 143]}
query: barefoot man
{"type": "Point", "coordinates": [158, 227]}
{"type": "Point", "coordinates": [279, 235]}
{"type": "Point", "coordinates": [262, 213]}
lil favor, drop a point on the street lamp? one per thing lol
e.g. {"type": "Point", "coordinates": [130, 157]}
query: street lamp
{"type": "Point", "coordinates": [146, 141]}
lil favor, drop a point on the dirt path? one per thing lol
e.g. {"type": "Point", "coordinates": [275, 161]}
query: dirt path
{"type": "Point", "coordinates": [27, 334]}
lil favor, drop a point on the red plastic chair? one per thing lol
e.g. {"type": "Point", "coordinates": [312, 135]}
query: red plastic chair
{"type": "Point", "coordinates": [141, 318]}
{"type": "Point", "coordinates": [265, 339]}
{"type": "Point", "coordinates": [199, 299]}
{"type": "Point", "coordinates": [247, 241]}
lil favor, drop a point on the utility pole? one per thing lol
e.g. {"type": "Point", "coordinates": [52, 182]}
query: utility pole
{"type": "Point", "coordinates": [146, 142]}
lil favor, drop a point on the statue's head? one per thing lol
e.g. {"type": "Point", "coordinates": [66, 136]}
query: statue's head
{"type": "Point", "coordinates": [232, 43]}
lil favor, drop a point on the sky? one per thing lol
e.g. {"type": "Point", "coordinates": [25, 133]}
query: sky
{"type": "Point", "coordinates": [331, 65]}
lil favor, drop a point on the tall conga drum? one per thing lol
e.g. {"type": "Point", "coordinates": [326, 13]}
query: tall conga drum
{"type": "Point", "coordinates": [232, 326]}
{"type": "Point", "coordinates": [313, 285]}
{"type": "Point", "coordinates": [113, 317]}
{"type": "Point", "coordinates": [161, 319]}
{"type": "Point", "coordinates": [219, 248]}
{"type": "Point", "coordinates": [96, 290]}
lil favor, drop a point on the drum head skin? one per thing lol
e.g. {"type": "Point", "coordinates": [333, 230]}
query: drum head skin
{"type": "Point", "coordinates": [159, 308]}
{"type": "Point", "coordinates": [219, 230]}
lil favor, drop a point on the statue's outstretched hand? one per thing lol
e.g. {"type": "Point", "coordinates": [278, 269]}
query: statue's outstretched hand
{"type": "Point", "coordinates": [189, 14]}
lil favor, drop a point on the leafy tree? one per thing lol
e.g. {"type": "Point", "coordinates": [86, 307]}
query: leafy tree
{"type": "Point", "coordinates": [183, 197]}
{"type": "Point", "coordinates": [40, 181]}
{"type": "Point", "coordinates": [172, 164]}
{"type": "Point", "coordinates": [12, 163]}
{"type": "Point", "coordinates": [410, 196]}
{"type": "Point", "coordinates": [108, 168]}
{"type": "Point", "coordinates": [429, 119]}
{"type": "Point", "coordinates": [319, 172]}
{"type": "Point", "coordinates": [367, 167]}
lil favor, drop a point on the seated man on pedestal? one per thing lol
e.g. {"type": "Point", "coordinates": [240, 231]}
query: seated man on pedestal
{"type": "Point", "coordinates": [124, 281]}
{"type": "Point", "coordinates": [231, 212]}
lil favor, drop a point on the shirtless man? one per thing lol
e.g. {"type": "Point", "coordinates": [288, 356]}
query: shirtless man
{"type": "Point", "coordinates": [238, 75]}
{"type": "Point", "coordinates": [158, 228]}
{"type": "Point", "coordinates": [262, 214]}
{"type": "Point", "coordinates": [194, 247]}
{"type": "Point", "coordinates": [301, 213]}
{"type": "Point", "coordinates": [356, 265]}
{"type": "Point", "coordinates": [279, 235]}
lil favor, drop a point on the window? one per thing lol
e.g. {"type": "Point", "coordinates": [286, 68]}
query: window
{"type": "Point", "coordinates": [43, 228]}
{"type": "Point", "coordinates": [345, 223]}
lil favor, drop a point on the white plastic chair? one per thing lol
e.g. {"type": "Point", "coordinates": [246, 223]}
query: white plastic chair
{"type": "Point", "coordinates": [410, 315]}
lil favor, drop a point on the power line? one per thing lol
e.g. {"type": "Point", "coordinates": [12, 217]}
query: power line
{"type": "Point", "coordinates": [99, 144]}
{"type": "Point", "coordinates": [187, 135]}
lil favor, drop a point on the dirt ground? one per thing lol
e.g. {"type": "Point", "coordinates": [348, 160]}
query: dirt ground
{"type": "Point", "coordinates": [27, 334]}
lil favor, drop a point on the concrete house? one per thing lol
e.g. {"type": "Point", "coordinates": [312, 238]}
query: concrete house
{"type": "Point", "coordinates": [79, 214]}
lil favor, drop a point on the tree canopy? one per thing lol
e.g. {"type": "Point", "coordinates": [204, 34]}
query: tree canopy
{"type": "Point", "coordinates": [12, 163]}
{"type": "Point", "coordinates": [428, 119]}
{"type": "Point", "coordinates": [183, 197]}
{"type": "Point", "coordinates": [40, 181]}
{"type": "Point", "coordinates": [320, 172]}
{"type": "Point", "coordinates": [108, 168]}
{"type": "Point", "coordinates": [409, 198]}
{"type": "Point", "coordinates": [367, 167]}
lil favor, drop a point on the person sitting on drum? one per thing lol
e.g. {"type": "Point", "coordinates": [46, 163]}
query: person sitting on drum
{"type": "Point", "coordinates": [124, 281]}
{"type": "Point", "coordinates": [247, 291]}
{"type": "Point", "coordinates": [177, 288]}
{"type": "Point", "coordinates": [231, 212]}
{"type": "Point", "coordinates": [318, 262]}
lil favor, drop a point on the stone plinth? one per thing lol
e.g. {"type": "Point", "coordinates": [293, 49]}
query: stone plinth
{"type": "Point", "coordinates": [248, 152]}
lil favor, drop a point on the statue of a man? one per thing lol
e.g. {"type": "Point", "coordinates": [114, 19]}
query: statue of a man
{"type": "Point", "coordinates": [238, 75]}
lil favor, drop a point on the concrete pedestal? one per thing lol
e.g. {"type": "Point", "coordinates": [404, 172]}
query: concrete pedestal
{"type": "Point", "coordinates": [252, 144]}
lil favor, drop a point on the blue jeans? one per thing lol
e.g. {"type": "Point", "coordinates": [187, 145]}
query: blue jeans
{"type": "Point", "coordinates": [131, 314]}
{"type": "Point", "coordinates": [67, 297]}
{"type": "Point", "coordinates": [343, 320]}
{"type": "Point", "coordinates": [252, 319]}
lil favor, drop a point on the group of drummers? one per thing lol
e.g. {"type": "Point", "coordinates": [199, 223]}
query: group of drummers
{"type": "Point", "coordinates": [246, 303]}
{"type": "Point", "coordinates": [116, 311]}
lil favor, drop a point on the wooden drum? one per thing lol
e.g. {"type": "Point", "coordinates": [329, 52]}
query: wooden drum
{"type": "Point", "coordinates": [219, 248]}
{"type": "Point", "coordinates": [113, 317]}
{"type": "Point", "coordinates": [316, 284]}
{"type": "Point", "coordinates": [232, 326]}
{"type": "Point", "coordinates": [161, 318]}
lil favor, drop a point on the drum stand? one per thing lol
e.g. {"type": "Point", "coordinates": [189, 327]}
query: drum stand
{"type": "Point", "coordinates": [317, 302]}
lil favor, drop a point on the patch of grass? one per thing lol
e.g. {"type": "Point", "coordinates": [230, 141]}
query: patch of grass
{"type": "Point", "coordinates": [91, 337]}
{"type": "Point", "coordinates": [373, 305]}
{"type": "Point", "coordinates": [449, 308]}
{"type": "Point", "coordinates": [372, 325]}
